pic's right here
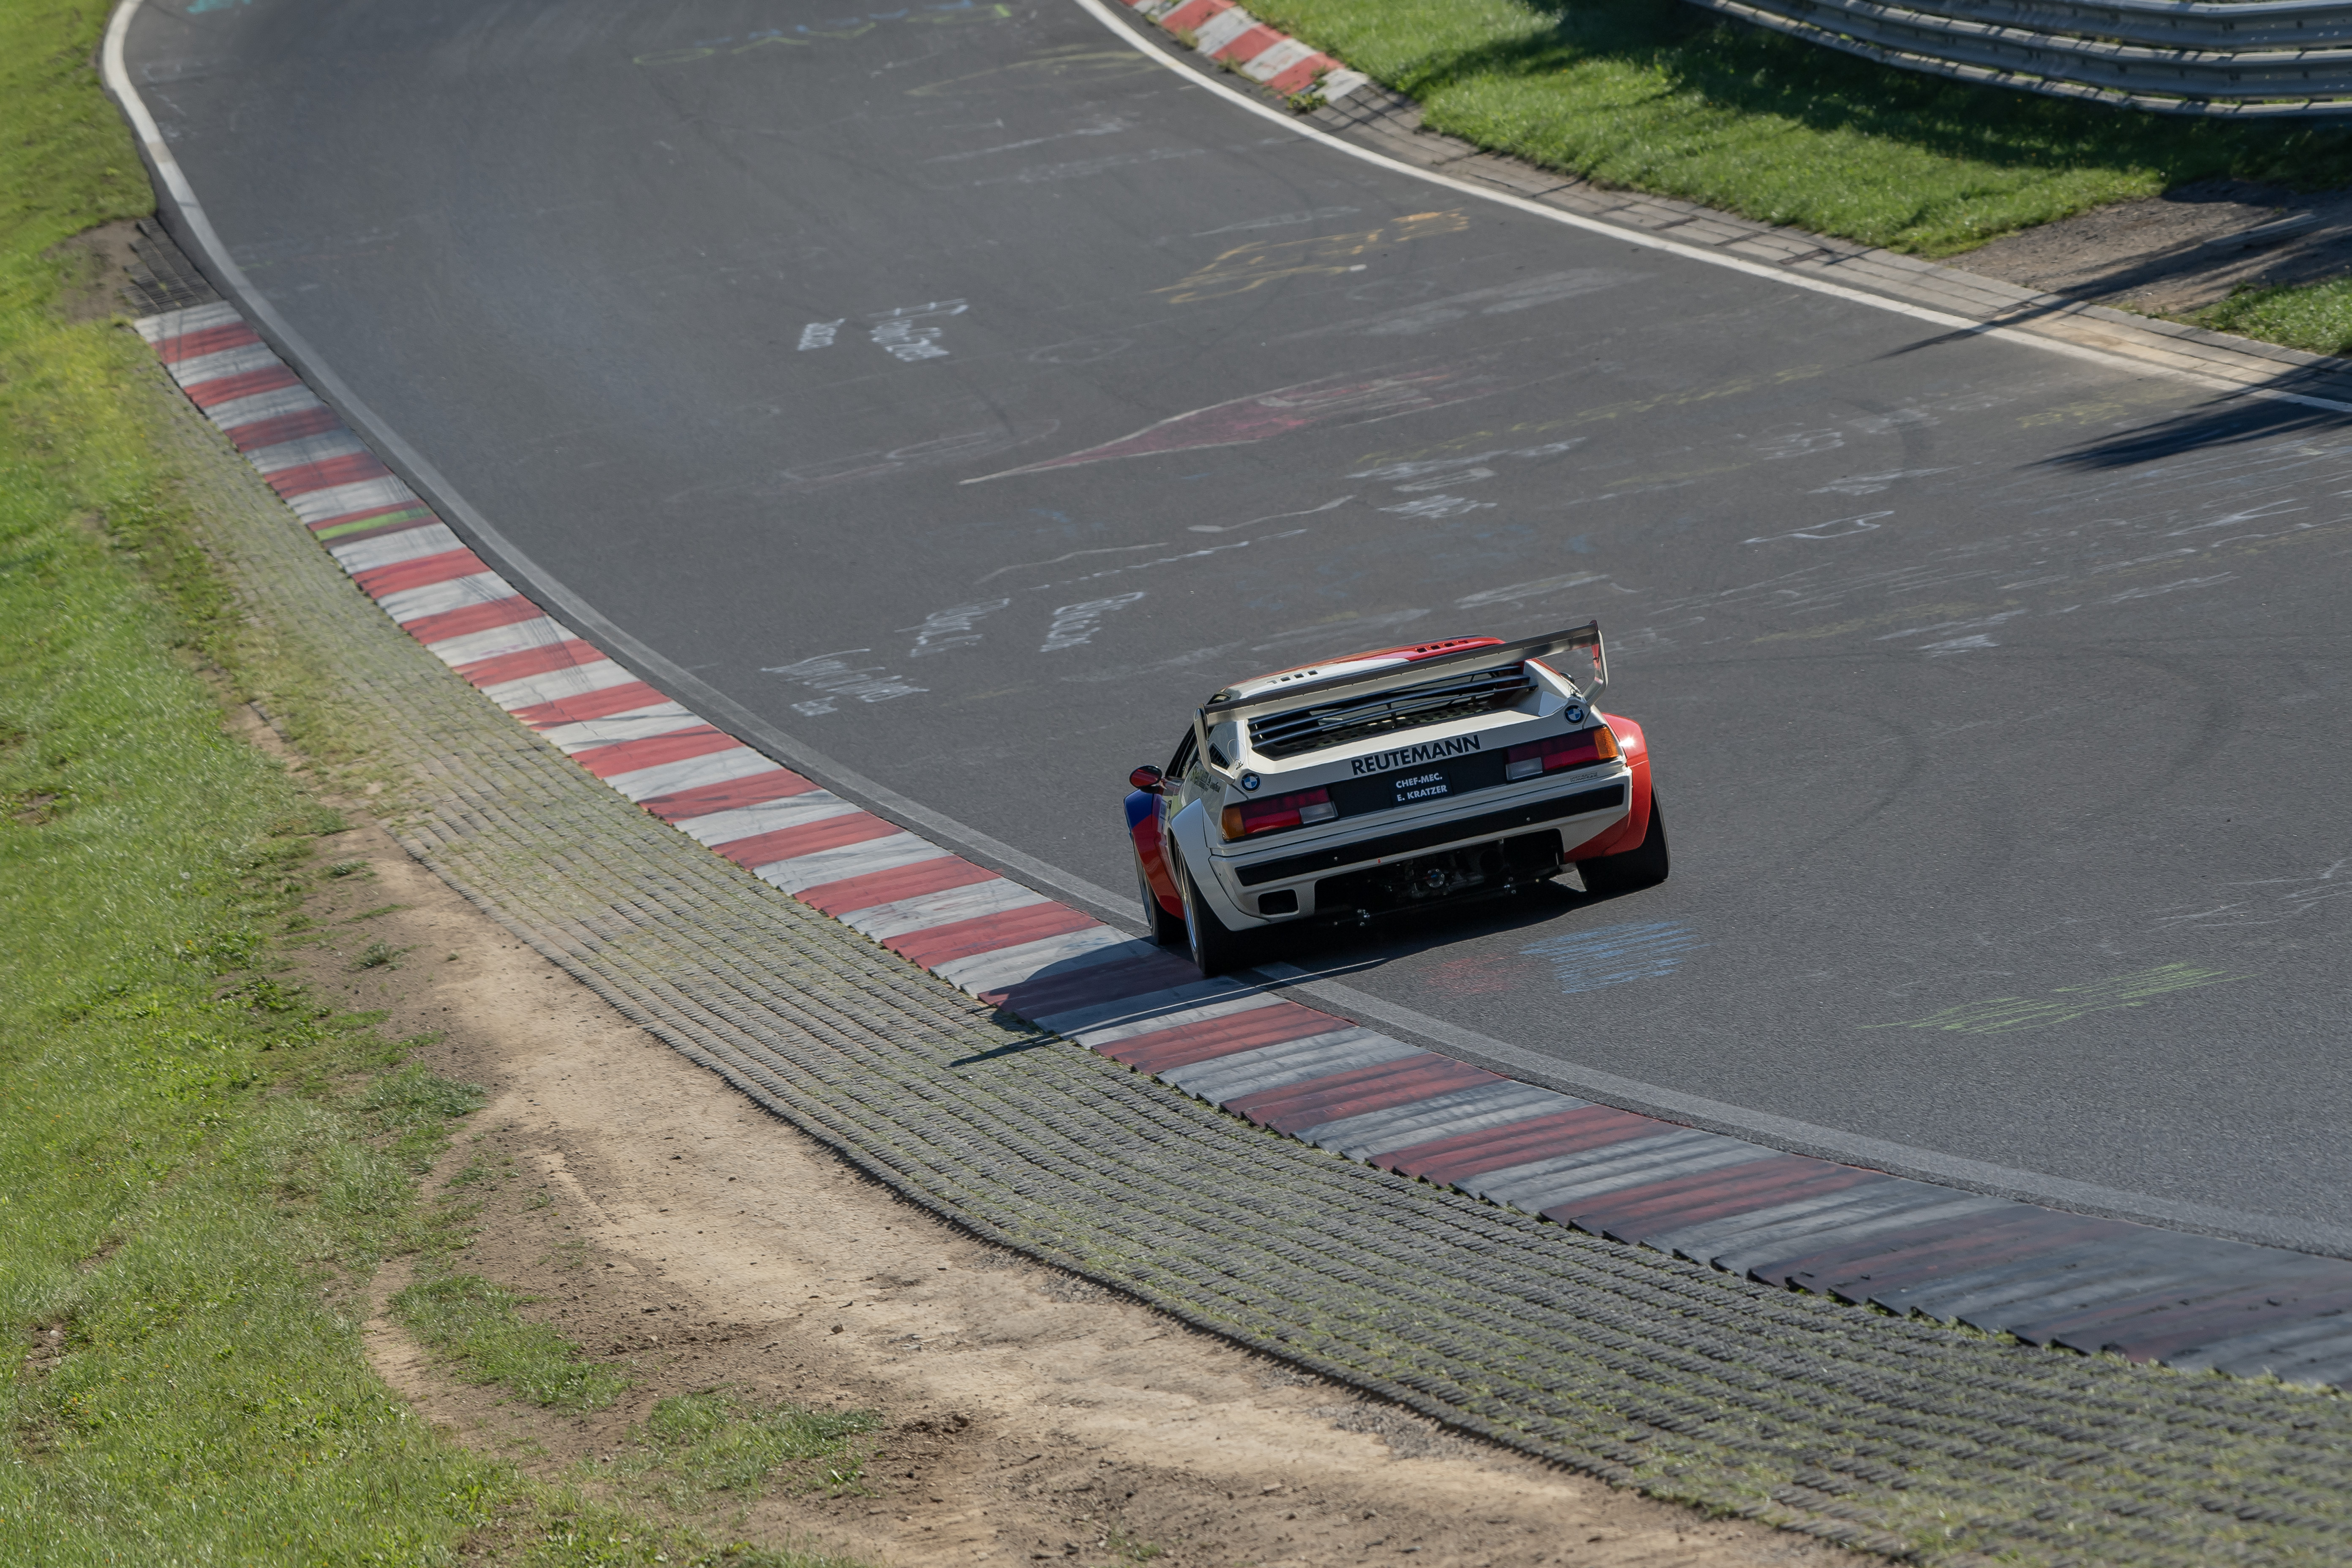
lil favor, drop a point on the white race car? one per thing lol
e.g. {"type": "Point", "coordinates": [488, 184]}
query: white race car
{"type": "Point", "coordinates": [1385, 780]}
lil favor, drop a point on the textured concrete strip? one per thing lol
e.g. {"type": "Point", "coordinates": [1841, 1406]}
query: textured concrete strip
{"type": "Point", "coordinates": [1484, 1107]}
{"type": "Point", "coordinates": [1055, 957]}
{"type": "Point", "coordinates": [850, 860]}
{"type": "Point", "coordinates": [925, 911]}
{"type": "Point", "coordinates": [1227, 1079]}
{"type": "Point", "coordinates": [1099, 1029]}
{"type": "Point", "coordinates": [1537, 1185]}
{"type": "Point", "coordinates": [1103, 1025]}
{"type": "Point", "coordinates": [1643, 1368]}
{"type": "Point", "coordinates": [1773, 1246]}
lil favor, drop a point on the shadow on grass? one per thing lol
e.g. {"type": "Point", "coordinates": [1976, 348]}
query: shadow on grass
{"type": "Point", "coordinates": [1668, 97]}
{"type": "Point", "coordinates": [1732, 65]}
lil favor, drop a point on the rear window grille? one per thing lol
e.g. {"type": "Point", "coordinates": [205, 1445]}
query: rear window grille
{"type": "Point", "coordinates": [1347, 719]}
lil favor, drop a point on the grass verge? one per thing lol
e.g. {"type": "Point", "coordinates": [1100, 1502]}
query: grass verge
{"type": "Point", "coordinates": [199, 1166]}
{"type": "Point", "coordinates": [1662, 97]}
{"type": "Point", "coordinates": [2315, 317]}
{"type": "Point", "coordinates": [478, 1332]}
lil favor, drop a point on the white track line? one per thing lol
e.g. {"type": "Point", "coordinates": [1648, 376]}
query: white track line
{"type": "Point", "coordinates": [1110, 18]}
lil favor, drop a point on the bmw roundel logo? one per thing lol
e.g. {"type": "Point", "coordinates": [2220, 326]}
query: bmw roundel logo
{"type": "Point", "coordinates": [1250, 780]}
{"type": "Point", "coordinates": [1574, 713]}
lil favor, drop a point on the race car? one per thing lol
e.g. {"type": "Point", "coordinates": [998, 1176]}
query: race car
{"type": "Point", "coordinates": [1387, 781]}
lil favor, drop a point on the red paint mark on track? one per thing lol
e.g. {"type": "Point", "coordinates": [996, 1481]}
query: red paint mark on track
{"type": "Point", "coordinates": [854, 893]}
{"type": "Point", "coordinates": [422, 573]}
{"type": "Point", "coordinates": [284, 428]}
{"type": "Point", "coordinates": [1358, 1091]}
{"type": "Point", "coordinates": [1468, 1154]}
{"type": "Point", "coordinates": [510, 609]}
{"type": "Point", "coordinates": [629, 756]}
{"type": "Point", "coordinates": [1185, 1044]}
{"type": "Point", "coordinates": [229, 388]}
{"type": "Point", "coordinates": [752, 789]}
{"type": "Point", "coordinates": [790, 843]}
{"type": "Point", "coordinates": [349, 469]}
{"type": "Point", "coordinates": [962, 939]}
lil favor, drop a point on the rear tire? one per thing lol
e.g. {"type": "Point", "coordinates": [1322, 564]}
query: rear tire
{"type": "Point", "coordinates": [1643, 866]}
{"type": "Point", "coordinates": [1167, 930]}
{"type": "Point", "coordinates": [1214, 948]}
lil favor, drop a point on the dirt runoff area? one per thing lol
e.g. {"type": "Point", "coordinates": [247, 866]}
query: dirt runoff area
{"type": "Point", "coordinates": [2178, 253]}
{"type": "Point", "coordinates": [663, 1221]}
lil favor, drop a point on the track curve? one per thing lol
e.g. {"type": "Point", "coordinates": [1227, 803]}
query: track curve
{"type": "Point", "coordinates": [2000, 714]}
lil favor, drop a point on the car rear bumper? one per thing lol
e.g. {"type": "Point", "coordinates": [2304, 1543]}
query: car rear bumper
{"type": "Point", "coordinates": [1243, 882]}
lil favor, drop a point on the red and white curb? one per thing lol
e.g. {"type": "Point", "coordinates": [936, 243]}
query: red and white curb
{"type": "Point", "coordinates": [1231, 36]}
{"type": "Point", "coordinates": [2045, 1276]}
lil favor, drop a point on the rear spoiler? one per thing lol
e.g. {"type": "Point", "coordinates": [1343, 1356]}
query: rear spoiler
{"type": "Point", "coordinates": [1586, 637]}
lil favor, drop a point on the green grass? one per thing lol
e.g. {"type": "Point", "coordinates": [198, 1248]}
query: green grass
{"type": "Point", "coordinates": [715, 1441]}
{"type": "Point", "coordinates": [1657, 96]}
{"type": "Point", "coordinates": [199, 1166]}
{"type": "Point", "coordinates": [480, 1335]}
{"type": "Point", "coordinates": [2316, 316]}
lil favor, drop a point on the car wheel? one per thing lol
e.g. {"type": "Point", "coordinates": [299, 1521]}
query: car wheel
{"type": "Point", "coordinates": [1643, 866]}
{"type": "Point", "coordinates": [1213, 948]}
{"type": "Point", "coordinates": [1167, 930]}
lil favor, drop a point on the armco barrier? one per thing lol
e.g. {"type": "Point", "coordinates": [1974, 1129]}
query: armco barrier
{"type": "Point", "coordinates": [2252, 58]}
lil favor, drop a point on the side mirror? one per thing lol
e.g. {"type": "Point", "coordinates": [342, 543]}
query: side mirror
{"type": "Point", "coordinates": [1146, 777]}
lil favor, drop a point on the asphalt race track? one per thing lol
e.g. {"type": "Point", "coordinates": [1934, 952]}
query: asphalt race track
{"type": "Point", "coordinates": [1998, 702]}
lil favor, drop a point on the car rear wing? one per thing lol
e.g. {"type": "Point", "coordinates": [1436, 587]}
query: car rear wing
{"type": "Point", "coordinates": [1585, 638]}
{"type": "Point", "coordinates": [1307, 705]}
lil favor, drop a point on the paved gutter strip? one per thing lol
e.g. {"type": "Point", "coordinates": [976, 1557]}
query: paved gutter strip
{"type": "Point", "coordinates": [1896, 1434]}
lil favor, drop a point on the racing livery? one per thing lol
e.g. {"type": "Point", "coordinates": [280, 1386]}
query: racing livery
{"type": "Point", "coordinates": [1385, 780]}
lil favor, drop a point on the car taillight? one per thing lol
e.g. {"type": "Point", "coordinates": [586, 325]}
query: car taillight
{"type": "Point", "coordinates": [1283, 811]}
{"type": "Point", "coordinates": [1597, 744]}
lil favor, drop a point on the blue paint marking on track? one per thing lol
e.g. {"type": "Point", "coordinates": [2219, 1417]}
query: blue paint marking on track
{"type": "Point", "coordinates": [1616, 956]}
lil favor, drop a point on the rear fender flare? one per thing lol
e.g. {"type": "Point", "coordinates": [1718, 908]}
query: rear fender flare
{"type": "Point", "coordinates": [1628, 832]}
{"type": "Point", "coordinates": [1188, 832]}
{"type": "Point", "coordinates": [1143, 826]}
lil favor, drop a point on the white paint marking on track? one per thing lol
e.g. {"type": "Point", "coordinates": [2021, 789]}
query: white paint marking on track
{"type": "Point", "coordinates": [724, 827]}
{"type": "Point", "coordinates": [409, 544]}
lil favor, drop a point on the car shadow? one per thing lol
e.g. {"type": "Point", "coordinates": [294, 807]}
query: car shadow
{"type": "Point", "coordinates": [1331, 950]}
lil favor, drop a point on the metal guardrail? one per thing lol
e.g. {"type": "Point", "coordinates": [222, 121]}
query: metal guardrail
{"type": "Point", "coordinates": [2241, 58]}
